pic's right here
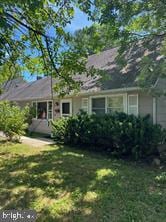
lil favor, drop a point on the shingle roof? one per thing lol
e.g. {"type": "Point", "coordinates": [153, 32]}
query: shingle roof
{"type": "Point", "coordinates": [106, 60]}
{"type": "Point", "coordinates": [125, 76]}
{"type": "Point", "coordinates": [12, 83]}
{"type": "Point", "coordinates": [28, 91]}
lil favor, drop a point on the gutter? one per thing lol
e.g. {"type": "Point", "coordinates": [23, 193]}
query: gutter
{"type": "Point", "coordinates": [86, 93]}
{"type": "Point", "coordinates": [101, 92]}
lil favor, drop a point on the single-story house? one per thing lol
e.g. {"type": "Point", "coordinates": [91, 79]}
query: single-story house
{"type": "Point", "coordinates": [120, 92]}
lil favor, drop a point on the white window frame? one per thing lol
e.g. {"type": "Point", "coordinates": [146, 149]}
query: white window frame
{"type": "Point", "coordinates": [70, 107]}
{"type": "Point", "coordinates": [131, 95]}
{"type": "Point", "coordinates": [42, 101]}
{"type": "Point", "coordinates": [48, 110]}
{"type": "Point", "coordinates": [124, 96]}
{"type": "Point", "coordinates": [106, 101]}
{"type": "Point", "coordinates": [85, 108]}
{"type": "Point", "coordinates": [96, 97]}
{"type": "Point", "coordinates": [154, 110]}
{"type": "Point", "coordinates": [36, 109]}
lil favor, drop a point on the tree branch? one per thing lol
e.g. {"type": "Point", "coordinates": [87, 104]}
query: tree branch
{"type": "Point", "coordinates": [25, 25]}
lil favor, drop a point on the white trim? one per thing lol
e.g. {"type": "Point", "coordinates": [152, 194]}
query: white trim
{"type": "Point", "coordinates": [124, 100]}
{"type": "Point", "coordinates": [95, 97]}
{"type": "Point", "coordinates": [44, 101]}
{"type": "Point", "coordinates": [154, 110]}
{"type": "Point", "coordinates": [85, 108]}
{"type": "Point", "coordinates": [99, 92]}
{"type": "Point", "coordinates": [106, 102]}
{"type": "Point", "coordinates": [51, 110]}
{"type": "Point", "coordinates": [70, 107]}
{"type": "Point", "coordinates": [131, 95]}
{"type": "Point", "coordinates": [36, 108]}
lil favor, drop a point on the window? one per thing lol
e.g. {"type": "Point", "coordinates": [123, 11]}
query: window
{"type": "Point", "coordinates": [49, 107]}
{"type": "Point", "coordinates": [43, 110]}
{"type": "Point", "coordinates": [66, 108]}
{"type": "Point", "coordinates": [98, 105]}
{"type": "Point", "coordinates": [34, 109]}
{"type": "Point", "coordinates": [133, 104]}
{"type": "Point", "coordinates": [115, 104]}
{"type": "Point", "coordinates": [85, 104]}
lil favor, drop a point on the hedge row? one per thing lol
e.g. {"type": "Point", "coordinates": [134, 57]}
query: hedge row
{"type": "Point", "coordinates": [117, 133]}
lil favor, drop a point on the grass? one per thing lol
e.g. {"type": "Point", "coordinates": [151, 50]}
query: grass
{"type": "Point", "coordinates": [68, 185]}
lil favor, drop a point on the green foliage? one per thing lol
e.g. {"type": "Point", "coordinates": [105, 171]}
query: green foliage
{"type": "Point", "coordinates": [131, 18]}
{"type": "Point", "coordinates": [12, 120]}
{"type": "Point", "coordinates": [25, 39]}
{"type": "Point", "coordinates": [30, 114]}
{"type": "Point", "coordinates": [93, 39]}
{"type": "Point", "coordinates": [117, 133]}
{"type": "Point", "coordinates": [123, 23]}
{"type": "Point", "coordinates": [59, 128]}
{"type": "Point", "coordinates": [161, 178]}
{"type": "Point", "coordinates": [27, 44]}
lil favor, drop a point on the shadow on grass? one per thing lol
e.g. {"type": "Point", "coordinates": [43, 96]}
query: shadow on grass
{"type": "Point", "coordinates": [63, 184]}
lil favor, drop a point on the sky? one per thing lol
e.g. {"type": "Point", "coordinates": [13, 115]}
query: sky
{"type": "Point", "coordinates": [79, 21]}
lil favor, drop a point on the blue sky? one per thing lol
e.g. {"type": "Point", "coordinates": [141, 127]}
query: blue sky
{"type": "Point", "coordinates": [79, 21]}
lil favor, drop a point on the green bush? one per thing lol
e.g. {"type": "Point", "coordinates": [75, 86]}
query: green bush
{"type": "Point", "coordinates": [116, 133]}
{"type": "Point", "coordinates": [13, 120]}
{"type": "Point", "coordinates": [59, 132]}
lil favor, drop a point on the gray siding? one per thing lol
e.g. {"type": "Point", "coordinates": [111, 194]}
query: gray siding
{"type": "Point", "coordinates": [145, 104]}
{"type": "Point", "coordinates": [22, 104]}
{"type": "Point", "coordinates": [56, 109]}
{"type": "Point", "coordinates": [40, 126]}
{"type": "Point", "coordinates": [161, 111]}
{"type": "Point", "coordinates": [76, 104]}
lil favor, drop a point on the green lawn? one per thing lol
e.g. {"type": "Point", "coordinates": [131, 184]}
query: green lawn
{"type": "Point", "coordinates": [65, 184]}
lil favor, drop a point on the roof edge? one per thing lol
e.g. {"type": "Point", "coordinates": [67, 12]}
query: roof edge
{"type": "Point", "coordinates": [118, 90]}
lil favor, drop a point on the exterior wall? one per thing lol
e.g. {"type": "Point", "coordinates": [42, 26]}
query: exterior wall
{"type": "Point", "coordinates": [145, 104]}
{"type": "Point", "coordinates": [23, 103]}
{"type": "Point", "coordinates": [76, 104]}
{"type": "Point", "coordinates": [40, 126]}
{"type": "Point", "coordinates": [56, 109]}
{"type": "Point", "coordinates": [161, 111]}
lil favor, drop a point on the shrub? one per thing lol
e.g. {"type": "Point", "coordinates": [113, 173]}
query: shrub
{"type": "Point", "coordinates": [117, 133]}
{"type": "Point", "coordinates": [59, 132]}
{"type": "Point", "coordinates": [13, 120]}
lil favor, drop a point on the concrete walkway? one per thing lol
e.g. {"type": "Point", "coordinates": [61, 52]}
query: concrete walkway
{"type": "Point", "coordinates": [35, 142]}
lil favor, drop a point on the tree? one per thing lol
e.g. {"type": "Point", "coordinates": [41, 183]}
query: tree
{"type": "Point", "coordinates": [33, 37]}
{"type": "Point", "coordinates": [93, 39]}
{"type": "Point", "coordinates": [133, 20]}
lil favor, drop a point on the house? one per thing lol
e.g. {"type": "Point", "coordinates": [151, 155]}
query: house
{"type": "Point", "coordinates": [120, 92]}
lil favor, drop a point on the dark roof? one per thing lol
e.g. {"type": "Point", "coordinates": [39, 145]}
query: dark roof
{"type": "Point", "coordinates": [28, 91]}
{"type": "Point", "coordinates": [116, 76]}
{"type": "Point", "coordinates": [12, 83]}
{"type": "Point", "coordinates": [122, 76]}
